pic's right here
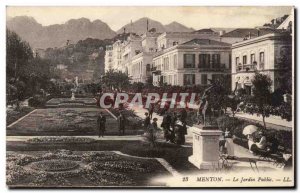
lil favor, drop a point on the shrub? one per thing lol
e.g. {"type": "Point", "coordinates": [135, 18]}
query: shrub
{"type": "Point", "coordinates": [37, 101]}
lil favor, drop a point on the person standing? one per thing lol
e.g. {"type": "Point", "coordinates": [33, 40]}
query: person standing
{"type": "Point", "coordinates": [151, 109]}
{"type": "Point", "coordinates": [229, 143]}
{"type": "Point", "coordinates": [183, 118]}
{"type": "Point", "coordinates": [151, 132]}
{"type": "Point", "coordinates": [101, 124]}
{"type": "Point", "coordinates": [166, 124]}
{"type": "Point", "coordinates": [179, 133]}
{"type": "Point", "coordinates": [174, 118]}
{"type": "Point", "coordinates": [147, 121]}
{"type": "Point", "coordinates": [121, 124]}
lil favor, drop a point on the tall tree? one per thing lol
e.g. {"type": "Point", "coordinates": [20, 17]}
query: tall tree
{"type": "Point", "coordinates": [18, 54]}
{"type": "Point", "coordinates": [262, 95]}
{"type": "Point", "coordinates": [116, 80]}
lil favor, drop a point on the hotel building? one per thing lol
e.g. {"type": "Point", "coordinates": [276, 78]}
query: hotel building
{"type": "Point", "coordinates": [192, 63]}
{"type": "Point", "coordinates": [263, 54]}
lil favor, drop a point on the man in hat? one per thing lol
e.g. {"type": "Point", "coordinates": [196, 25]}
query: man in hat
{"type": "Point", "coordinates": [101, 124]}
{"type": "Point", "coordinates": [147, 121]}
{"type": "Point", "coordinates": [166, 124]}
{"type": "Point", "coordinates": [151, 109]}
{"type": "Point", "coordinates": [121, 124]}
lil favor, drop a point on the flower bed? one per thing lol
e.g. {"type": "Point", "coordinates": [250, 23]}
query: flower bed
{"type": "Point", "coordinates": [54, 165]}
{"type": "Point", "coordinates": [50, 140]}
{"type": "Point", "coordinates": [57, 101]}
{"type": "Point", "coordinates": [63, 122]}
{"type": "Point", "coordinates": [66, 168]}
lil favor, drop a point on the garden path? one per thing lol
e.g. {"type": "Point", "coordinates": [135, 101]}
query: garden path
{"type": "Point", "coordinates": [272, 121]}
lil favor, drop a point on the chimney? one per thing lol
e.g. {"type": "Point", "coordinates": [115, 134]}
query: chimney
{"type": "Point", "coordinates": [258, 33]}
{"type": "Point", "coordinates": [124, 30]}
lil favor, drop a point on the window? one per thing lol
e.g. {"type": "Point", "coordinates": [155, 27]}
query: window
{"type": "Point", "coordinates": [237, 61]}
{"type": "Point", "coordinates": [148, 67]}
{"type": "Point", "coordinates": [252, 58]}
{"type": "Point", "coordinates": [244, 59]}
{"type": "Point", "coordinates": [204, 61]}
{"type": "Point", "coordinates": [229, 61]}
{"type": "Point", "coordinates": [216, 61]}
{"type": "Point", "coordinates": [261, 60]}
{"type": "Point", "coordinates": [170, 79]}
{"type": "Point", "coordinates": [175, 79]}
{"type": "Point", "coordinates": [166, 63]}
{"type": "Point", "coordinates": [189, 79]}
{"type": "Point", "coordinates": [189, 60]}
{"type": "Point", "coordinates": [175, 61]}
{"type": "Point", "coordinates": [204, 79]}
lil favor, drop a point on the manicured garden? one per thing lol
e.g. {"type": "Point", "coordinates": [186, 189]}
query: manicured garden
{"type": "Point", "coordinates": [66, 121]}
{"type": "Point", "coordinates": [176, 156]}
{"type": "Point", "coordinates": [65, 168]}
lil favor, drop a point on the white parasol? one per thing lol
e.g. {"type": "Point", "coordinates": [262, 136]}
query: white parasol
{"type": "Point", "coordinates": [250, 129]}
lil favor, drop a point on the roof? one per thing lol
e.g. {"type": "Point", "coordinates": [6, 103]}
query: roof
{"type": "Point", "coordinates": [243, 32]}
{"type": "Point", "coordinates": [281, 35]}
{"type": "Point", "coordinates": [205, 42]}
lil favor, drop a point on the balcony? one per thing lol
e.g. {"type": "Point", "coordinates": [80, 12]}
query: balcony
{"type": "Point", "coordinates": [154, 70]}
{"type": "Point", "coordinates": [246, 67]}
{"type": "Point", "coordinates": [216, 68]}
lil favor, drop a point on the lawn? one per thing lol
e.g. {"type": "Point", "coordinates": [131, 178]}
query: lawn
{"type": "Point", "coordinates": [66, 122]}
{"type": "Point", "coordinates": [12, 114]}
{"type": "Point", "coordinates": [80, 169]}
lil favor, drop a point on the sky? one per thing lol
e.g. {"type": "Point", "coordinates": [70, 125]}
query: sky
{"type": "Point", "coordinates": [116, 17]}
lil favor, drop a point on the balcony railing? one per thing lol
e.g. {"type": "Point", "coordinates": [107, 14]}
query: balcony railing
{"type": "Point", "coordinates": [215, 68]}
{"type": "Point", "coordinates": [154, 70]}
{"type": "Point", "coordinates": [246, 67]}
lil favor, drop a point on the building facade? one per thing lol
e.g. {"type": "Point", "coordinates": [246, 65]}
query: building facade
{"type": "Point", "coordinates": [108, 58]}
{"type": "Point", "coordinates": [192, 63]}
{"type": "Point", "coordinates": [263, 54]}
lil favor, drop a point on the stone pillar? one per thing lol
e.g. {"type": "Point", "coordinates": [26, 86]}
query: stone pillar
{"type": "Point", "coordinates": [205, 147]}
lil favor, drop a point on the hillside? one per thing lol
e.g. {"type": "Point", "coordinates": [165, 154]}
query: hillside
{"type": "Point", "coordinates": [57, 35]}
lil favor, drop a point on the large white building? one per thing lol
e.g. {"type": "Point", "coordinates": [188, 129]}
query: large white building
{"type": "Point", "coordinates": [192, 63]}
{"type": "Point", "coordinates": [192, 58]}
{"type": "Point", "coordinates": [262, 54]}
{"type": "Point", "coordinates": [108, 58]}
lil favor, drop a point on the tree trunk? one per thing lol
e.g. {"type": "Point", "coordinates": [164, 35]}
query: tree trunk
{"type": "Point", "coordinates": [264, 122]}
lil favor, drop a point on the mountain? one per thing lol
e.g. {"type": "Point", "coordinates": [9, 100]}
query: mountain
{"type": "Point", "coordinates": [140, 27]}
{"type": "Point", "coordinates": [57, 35]}
{"type": "Point", "coordinates": [177, 27]}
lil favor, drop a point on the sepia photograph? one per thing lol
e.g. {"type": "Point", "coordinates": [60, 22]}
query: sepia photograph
{"type": "Point", "coordinates": [150, 97]}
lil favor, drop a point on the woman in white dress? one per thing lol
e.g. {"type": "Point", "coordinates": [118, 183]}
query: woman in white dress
{"type": "Point", "coordinates": [229, 143]}
{"type": "Point", "coordinates": [250, 142]}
